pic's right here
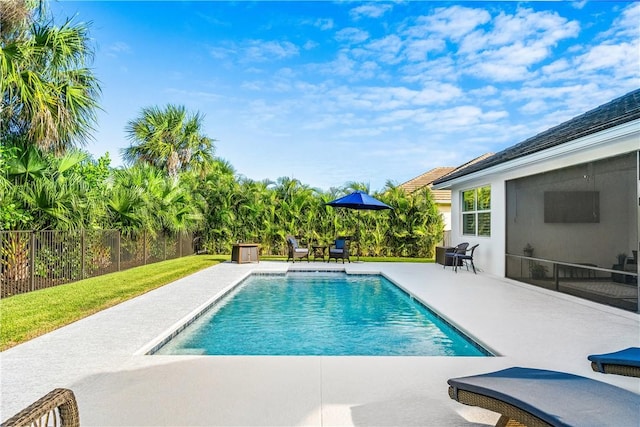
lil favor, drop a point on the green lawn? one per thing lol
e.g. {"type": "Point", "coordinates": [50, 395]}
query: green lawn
{"type": "Point", "coordinates": [26, 316]}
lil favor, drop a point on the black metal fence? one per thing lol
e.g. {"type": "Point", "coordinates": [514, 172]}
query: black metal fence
{"type": "Point", "coordinates": [32, 260]}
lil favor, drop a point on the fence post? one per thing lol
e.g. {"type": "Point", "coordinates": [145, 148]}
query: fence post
{"type": "Point", "coordinates": [32, 261]}
{"type": "Point", "coordinates": [83, 257]}
{"type": "Point", "coordinates": [144, 247]}
{"type": "Point", "coordinates": [164, 247]}
{"type": "Point", "coordinates": [180, 242]}
{"type": "Point", "coordinates": [118, 248]}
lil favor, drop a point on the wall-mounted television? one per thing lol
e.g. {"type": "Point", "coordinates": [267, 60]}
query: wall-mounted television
{"type": "Point", "coordinates": [571, 206]}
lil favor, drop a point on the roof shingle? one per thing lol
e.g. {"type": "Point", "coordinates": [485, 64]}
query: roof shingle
{"type": "Point", "coordinates": [619, 111]}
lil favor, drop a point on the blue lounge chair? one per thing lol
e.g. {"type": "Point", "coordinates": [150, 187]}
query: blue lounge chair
{"type": "Point", "coordinates": [624, 362]}
{"type": "Point", "coordinates": [536, 397]}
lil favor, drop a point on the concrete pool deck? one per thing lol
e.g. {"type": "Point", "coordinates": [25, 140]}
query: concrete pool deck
{"type": "Point", "coordinates": [101, 357]}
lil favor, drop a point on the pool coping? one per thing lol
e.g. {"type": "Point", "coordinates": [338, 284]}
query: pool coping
{"type": "Point", "coordinates": [97, 357]}
{"type": "Point", "coordinates": [165, 337]}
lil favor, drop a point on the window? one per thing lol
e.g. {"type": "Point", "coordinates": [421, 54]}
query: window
{"type": "Point", "coordinates": [476, 211]}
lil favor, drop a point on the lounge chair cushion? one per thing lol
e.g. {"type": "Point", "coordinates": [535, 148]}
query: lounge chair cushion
{"type": "Point", "coordinates": [627, 357]}
{"type": "Point", "coordinates": [301, 250]}
{"type": "Point", "coordinates": [339, 244]}
{"type": "Point", "coordinates": [558, 398]}
{"type": "Point", "coordinates": [337, 251]}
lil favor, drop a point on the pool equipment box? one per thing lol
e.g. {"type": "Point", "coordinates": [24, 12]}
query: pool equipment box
{"type": "Point", "coordinates": [245, 252]}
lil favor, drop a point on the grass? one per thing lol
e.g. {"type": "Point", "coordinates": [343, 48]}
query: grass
{"type": "Point", "coordinates": [26, 316]}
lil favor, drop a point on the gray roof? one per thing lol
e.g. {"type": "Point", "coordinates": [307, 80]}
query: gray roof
{"type": "Point", "coordinates": [614, 113]}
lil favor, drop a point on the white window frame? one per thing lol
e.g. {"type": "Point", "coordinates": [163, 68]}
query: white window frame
{"type": "Point", "coordinates": [475, 211]}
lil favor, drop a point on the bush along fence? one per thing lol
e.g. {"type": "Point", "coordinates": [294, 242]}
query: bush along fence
{"type": "Point", "coordinates": [32, 260]}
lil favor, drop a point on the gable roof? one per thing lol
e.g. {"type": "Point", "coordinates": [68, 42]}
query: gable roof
{"type": "Point", "coordinates": [426, 178]}
{"type": "Point", "coordinates": [614, 113]}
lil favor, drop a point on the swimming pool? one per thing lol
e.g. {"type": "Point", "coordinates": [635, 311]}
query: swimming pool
{"type": "Point", "coordinates": [319, 313]}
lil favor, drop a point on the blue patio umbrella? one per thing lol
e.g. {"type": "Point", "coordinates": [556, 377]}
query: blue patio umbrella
{"type": "Point", "coordinates": [360, 201]}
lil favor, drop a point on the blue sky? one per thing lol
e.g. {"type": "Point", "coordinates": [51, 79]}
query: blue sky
{"type": "Point", "coordinates": [334, 92]}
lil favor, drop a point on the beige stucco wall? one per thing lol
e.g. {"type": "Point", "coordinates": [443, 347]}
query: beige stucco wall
{"type": "Point", "coordinates": [445, 211]}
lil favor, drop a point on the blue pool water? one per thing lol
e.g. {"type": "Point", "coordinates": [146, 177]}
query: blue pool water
{"type": "Point", "coordinates": [320, 314]}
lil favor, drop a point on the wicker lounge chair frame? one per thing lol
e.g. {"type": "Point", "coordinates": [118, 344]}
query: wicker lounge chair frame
{"type": "Point", "coordinates": [537, 397]}
{"type": "Point", "coordinates": [57, 408]}
{"type": "Point", "coordinates": [627, 371]}
{"type": "Point", "coordinates": [610, 364]}
{"type": "Point", "coordinates": [510, 416]}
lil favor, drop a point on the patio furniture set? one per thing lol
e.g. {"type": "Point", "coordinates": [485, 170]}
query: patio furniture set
{"type": "Point", "coordinates": [339, 249]}
{"type": "Point", "coordinates": [457, 256]}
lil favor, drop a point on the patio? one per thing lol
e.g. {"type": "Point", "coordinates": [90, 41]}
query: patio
{"type": "Point", "coordinates": [101, 357]}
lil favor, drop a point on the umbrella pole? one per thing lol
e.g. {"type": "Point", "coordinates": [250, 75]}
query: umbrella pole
{"type": "Point", "coordinates": [358, 234]}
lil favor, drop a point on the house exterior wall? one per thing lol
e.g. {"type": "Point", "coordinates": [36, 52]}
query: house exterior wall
{"type": "Point", "coordinates": [490, 255]}
{"type": "Point", "coordinates": [445, 211]}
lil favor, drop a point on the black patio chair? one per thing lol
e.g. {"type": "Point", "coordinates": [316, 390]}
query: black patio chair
{"type": "Point", "coordinates": [463, 258]}
{"type": "Point", "coordinates": [461, 248]}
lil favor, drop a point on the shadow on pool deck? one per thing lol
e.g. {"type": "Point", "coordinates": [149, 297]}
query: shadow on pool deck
{"type": "Point", "coordinates": [98, 357]}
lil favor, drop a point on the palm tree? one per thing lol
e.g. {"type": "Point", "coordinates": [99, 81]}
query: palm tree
{"type": "Point", "coordinates": [49, 95]}
{"type": "Point", "coordinates": [170, 139]}
{"type": "Point", "coordinates": [50, 190]}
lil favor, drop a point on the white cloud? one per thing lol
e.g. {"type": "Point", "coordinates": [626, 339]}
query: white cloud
{"type": "Point", "coordinates": [442, 68]}
{"type": "Point", "coordinates": [514, 44]}
{"type": "Point", "coordinates": [453, 22]}
{"type": "Point", "coordinates": [261, 50]}
{"type": "Point", "coordinates": [309, 45]}
{"type": "Point", "coordinates": [386, 49]}
{"type": "Point", "coordinates": [352, 35]}
{"type": "Point", "coordinates": [373, 10]}
{"type": "Point", "coordinates": [608, 56]}
{"type": "Point", "coordinates": [500, 71]}
{"type": "Point", "coordinates": [324, 23]}
{"type": "Point", "coordinates": [437, 95]}
{"type": "Point", "coordinates": [117, 48]}
{"type": "Point", "coordinates": [418, 50]}
{"type": "Point", "coordinates": [579, 4]}
{"type": "Point", "coordinates": [626, 25]}
{"type": "Point", "coordinates": [221, 52]}
{"type": "Point", "coordinates": [485, 91]}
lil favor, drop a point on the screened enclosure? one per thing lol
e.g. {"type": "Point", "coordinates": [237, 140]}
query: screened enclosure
{"type": "Point", "coordinates": [575, 230]}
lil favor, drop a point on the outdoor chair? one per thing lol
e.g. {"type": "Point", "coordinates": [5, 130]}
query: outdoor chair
{"type": "Point", "coordinates": [624, 362]}
{"type": "Point", "coordinates": [536, 397]}
{"type": "Point", "coordinates": [58, 408]}
{"type": "Point", "coordinates": [460, 258]}
{"type": "Point", "coordinates": [294, 251]}
{"type": "Point", "coordinates": [339, 250]}
{"type": "Point", "coordinates": [461, 248]}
